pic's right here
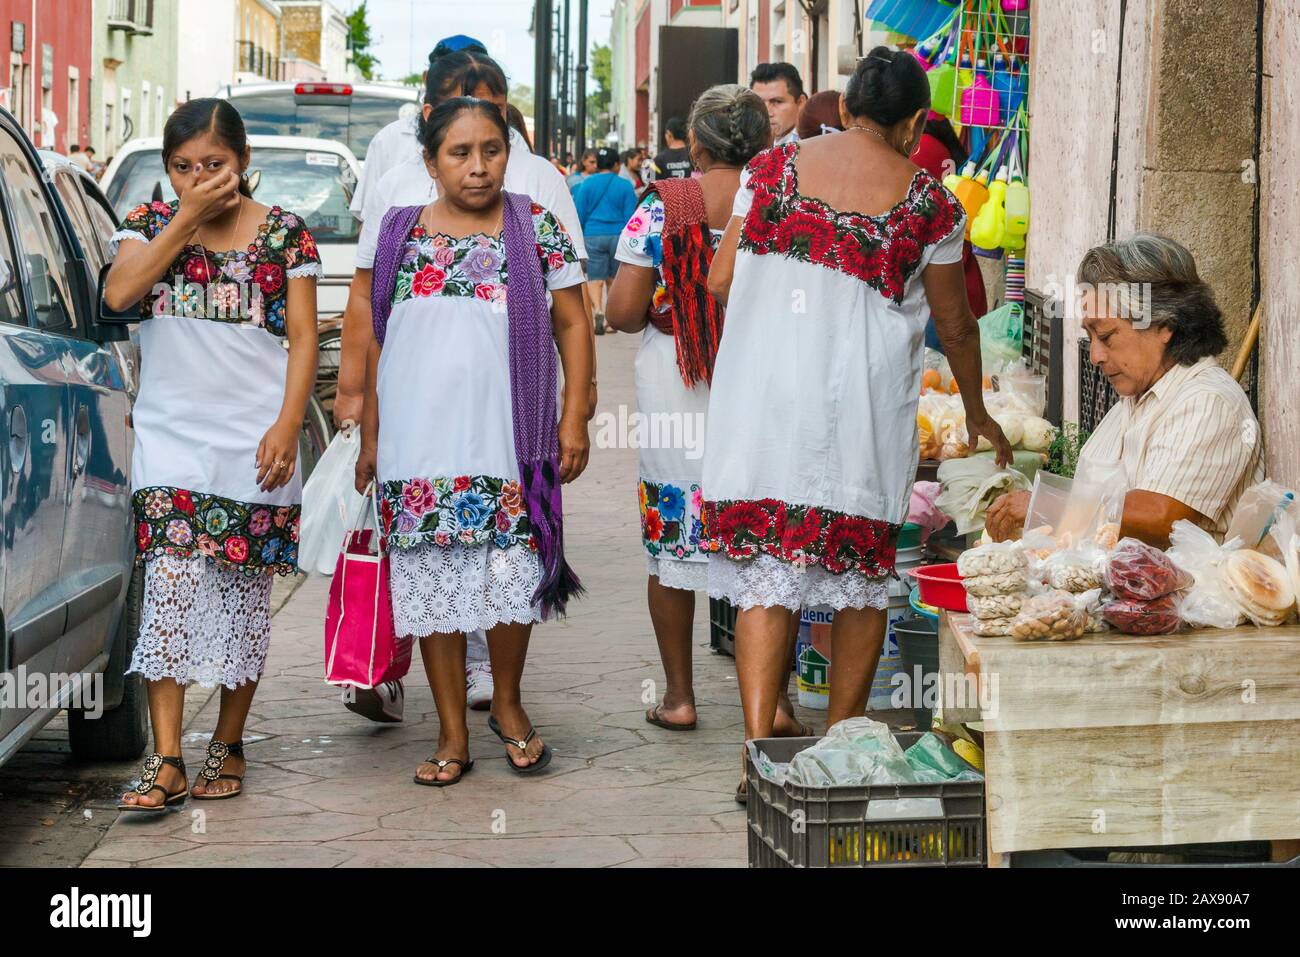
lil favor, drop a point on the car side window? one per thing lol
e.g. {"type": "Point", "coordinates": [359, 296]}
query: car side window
{"type": "Point", "coordinates": [11, 300]}
{"type": "Point", "coordinates": [105, 223]}
{"type": "Point", "coordinates": [70, 193]}
{"type": "Point", "coordinates": [37, 240]}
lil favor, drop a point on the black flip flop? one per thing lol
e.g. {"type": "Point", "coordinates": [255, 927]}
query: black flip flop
{"type": "Point", "coordinates": [441, 763]}
{"type": "Point", "coordinates": [149, 782]}
{"type": "Point", "coordinates": [653, 716]}
{"type": "Point", "coordinates": [543, 759]}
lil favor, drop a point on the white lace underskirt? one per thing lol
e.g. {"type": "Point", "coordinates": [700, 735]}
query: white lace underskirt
{"type": "Point", "coordinates": [444, 589]}
{"type": "Point", "coordinates": [767, 581]}
{"type": "Point", "coordinates": [672, 573]}
{"type": "Point", "coordinates": [202, 622]}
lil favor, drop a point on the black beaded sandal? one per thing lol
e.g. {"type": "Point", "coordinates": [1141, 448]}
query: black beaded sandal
{"type": "Point", "coordinates": [465, 766]}
{"type": "Point", "coordinates": [218, 751]}
{"type": "Point", "coordinates": [149, 782]}
{"type": "Point", "coordinates": [543, 759]}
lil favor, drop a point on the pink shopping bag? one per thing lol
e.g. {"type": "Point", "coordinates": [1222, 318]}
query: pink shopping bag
{"type": "Point", "coordinates": [361, 647]}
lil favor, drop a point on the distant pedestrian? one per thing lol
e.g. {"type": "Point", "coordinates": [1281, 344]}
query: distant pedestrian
{"type": "Point", "coordinates": [605, 203]}
{"type": "Point", "coordinates": [84, 159]}
{"type": "Point", "coordinates": [215, 478]}
{"type": "Point", "coordinates": [805, 499]}
{"type": "Point", "coordinates": [781, 88]}
{"type": "Point", "coordinates": [665, 251]}
{"type": "Point", "coordinates": [630, 168]}
{"type": "Point", "coordinates": [586, 167]}
{"type": "Point", "coordinates": [674, 160]}
{"type": "Point", "coordinates": [472, 509]}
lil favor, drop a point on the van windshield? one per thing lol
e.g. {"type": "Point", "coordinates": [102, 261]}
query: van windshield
{"type": "Point", "coordinates": [316, 185]}
{"type": "Point", "coordinates": [354, 120]}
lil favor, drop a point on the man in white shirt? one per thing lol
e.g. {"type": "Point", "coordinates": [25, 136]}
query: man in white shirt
{"type": "Point", "coordinates": [781, 88]}
{"type": "Point", "coordinates": [395, 175]}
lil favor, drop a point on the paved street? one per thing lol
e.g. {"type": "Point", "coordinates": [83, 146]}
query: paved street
{"type": "Point", "coordinates": [327, 788]}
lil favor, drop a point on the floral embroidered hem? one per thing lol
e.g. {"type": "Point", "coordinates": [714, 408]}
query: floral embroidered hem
{"type": "Point", "coordinates": [250, 537]}
{"type": "Point", "coordinates": [671, 521]}
{"type": "Point", "coordinates": [801, 535]}
{"type": "Point", "coordinates": [465, 510]}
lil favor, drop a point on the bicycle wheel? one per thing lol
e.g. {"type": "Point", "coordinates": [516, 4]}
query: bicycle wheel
{"type": "Point", "coordinates": [317, 430]}
{"type": "Point", "coordinates": [329, 349]}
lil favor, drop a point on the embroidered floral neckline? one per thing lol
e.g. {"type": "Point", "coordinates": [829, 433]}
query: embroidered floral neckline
{"type": "Point", "coordinates": [263, 230]}
{"type": "Point", "coordinates": [914, 187]}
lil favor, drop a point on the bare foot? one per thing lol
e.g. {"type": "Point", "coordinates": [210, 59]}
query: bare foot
{"type": "Point", "coordinates": [786, 725]}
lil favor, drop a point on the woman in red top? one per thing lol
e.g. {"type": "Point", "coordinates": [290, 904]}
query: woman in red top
{"type": "Point", "coordinates": [939, 153]}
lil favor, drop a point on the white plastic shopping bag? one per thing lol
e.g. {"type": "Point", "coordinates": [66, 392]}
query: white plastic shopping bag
{"type": "Point", "coordinates": [328, 499]}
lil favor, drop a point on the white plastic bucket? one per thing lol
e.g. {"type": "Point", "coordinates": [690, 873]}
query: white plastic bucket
{"type": "Point", "coordinates": [891, 658]}
{"type": "Point", "coordinates": [813, 657]}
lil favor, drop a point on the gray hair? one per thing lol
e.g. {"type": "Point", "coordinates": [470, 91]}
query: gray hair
{"type": "Point", "coordinates": [730, 123]}
{"type": "Point", "coordinates": [1154, 279]}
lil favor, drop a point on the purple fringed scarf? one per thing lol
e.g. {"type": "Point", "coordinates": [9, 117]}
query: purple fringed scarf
{"type": "Point", "coordinates": [533, 379]}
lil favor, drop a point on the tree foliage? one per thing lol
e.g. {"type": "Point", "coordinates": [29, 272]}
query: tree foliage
{"type": "Point", "coordinates": [359, 40]}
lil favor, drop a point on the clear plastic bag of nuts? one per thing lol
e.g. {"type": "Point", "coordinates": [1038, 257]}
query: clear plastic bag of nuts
{"type": "Point", "coordinates": [1004, 583]}
{"type": "Point", "coordinates": [995, 606]}
{"type": "Point", "coordinates": [1051, 616]}
{"type": "Point", "coordinates": [995, 558]}
{"type": "Point", "coordinates": [1075, 570]}
{"type": "Point", "coordinates": [991, 627]}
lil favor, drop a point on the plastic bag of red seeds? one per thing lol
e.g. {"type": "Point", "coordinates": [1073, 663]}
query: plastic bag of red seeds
{"type": "Point", "coordinates": [1139, 572]}
{"type": "Point", "coordinates": [1156, 617]}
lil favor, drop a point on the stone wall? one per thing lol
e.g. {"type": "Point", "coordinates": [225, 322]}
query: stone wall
{"type": "Point", "coordinates": [1279, 240]}
{"type": "Point", "coordinates": [1185, 91]}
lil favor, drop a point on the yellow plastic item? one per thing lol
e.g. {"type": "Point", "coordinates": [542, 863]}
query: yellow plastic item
{"type": "Point", "coordinates": [1017, 207]}
{"type": "Point", "coordinates": [973, 194]}
{"type": "Point", "coordinates": [970, 753]}
{"type": "Point", "coordinates": [989, 228]}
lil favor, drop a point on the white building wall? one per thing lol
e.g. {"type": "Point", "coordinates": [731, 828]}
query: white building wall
{"type": "Point", "coordinates": [206, 38]}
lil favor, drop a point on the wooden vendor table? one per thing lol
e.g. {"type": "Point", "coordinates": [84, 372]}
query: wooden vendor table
{"type": "Point", "coordinates": [1121, 740]}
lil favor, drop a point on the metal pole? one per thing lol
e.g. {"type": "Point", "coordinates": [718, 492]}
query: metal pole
{"type": "Point", "coordinates": [562, 61]}
{"type": "Point", "coordinates": [582, 76]}
{"type": "Point", "coordinates": [542, 77]}
{"type": "Point", "coordinates": [557, 131]}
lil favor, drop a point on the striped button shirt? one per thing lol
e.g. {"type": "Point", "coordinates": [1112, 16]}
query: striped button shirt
{"type": "Point", "coordinates": [1192, 436]}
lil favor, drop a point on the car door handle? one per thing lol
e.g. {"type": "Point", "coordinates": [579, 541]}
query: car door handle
{"type": "Point", "coordinates": [81, 443]}
{"type": "Point", "coordinates": [17, 438]}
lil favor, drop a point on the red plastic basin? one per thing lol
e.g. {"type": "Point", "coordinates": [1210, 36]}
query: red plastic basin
{"type": "Point", "coordinates": [941, 586]}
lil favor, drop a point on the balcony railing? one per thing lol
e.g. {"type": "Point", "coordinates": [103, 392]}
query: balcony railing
{"type": "Point", "coordinates": [132, 16]}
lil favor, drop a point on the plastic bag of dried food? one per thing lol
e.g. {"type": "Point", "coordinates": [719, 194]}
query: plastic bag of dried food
{"type": "Point", "coordinates": [1159, 616]}
{"type": "Point", "coordinates": [1139, 572]}
{"type": "Point", "coordinates": [1090, 603]}
{"type": "Point", "coordinates": [1051, 616]}
{"type": "Point", "coordinates": [983, 586]}
{"type": "Point", "coordinates": [1075, 570]}
{"type": "Point", "coordinates": [1208, 603]}
{"type": "Point", "coordinates": [995, 606]}
{"type": "Point", "coordinates": [991, 627]}
{"type": "Point", "coordinates": [992, 559]}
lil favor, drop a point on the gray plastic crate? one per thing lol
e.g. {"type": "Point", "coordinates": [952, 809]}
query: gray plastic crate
{"type": "Point", "coordinates": [794, 826]}
{"type": "Point", "coordinates": [722, 626]}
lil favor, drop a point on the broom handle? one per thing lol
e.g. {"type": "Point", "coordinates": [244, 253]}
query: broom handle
{"type": "Point", "coordinates": [1247, 344]}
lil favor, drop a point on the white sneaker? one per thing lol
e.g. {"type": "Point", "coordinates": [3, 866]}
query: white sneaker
{"type": "Point", "coordinates": [383, 703]}
{"type": "Point", "coordinates": [478, 686]}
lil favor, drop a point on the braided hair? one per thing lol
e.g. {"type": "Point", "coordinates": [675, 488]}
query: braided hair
{"type": "Point", "coordinates": [730, 123]}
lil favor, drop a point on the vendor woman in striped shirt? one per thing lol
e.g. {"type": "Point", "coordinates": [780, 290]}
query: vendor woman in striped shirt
{"type": "Point", "coordinates": [1183, 428]}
